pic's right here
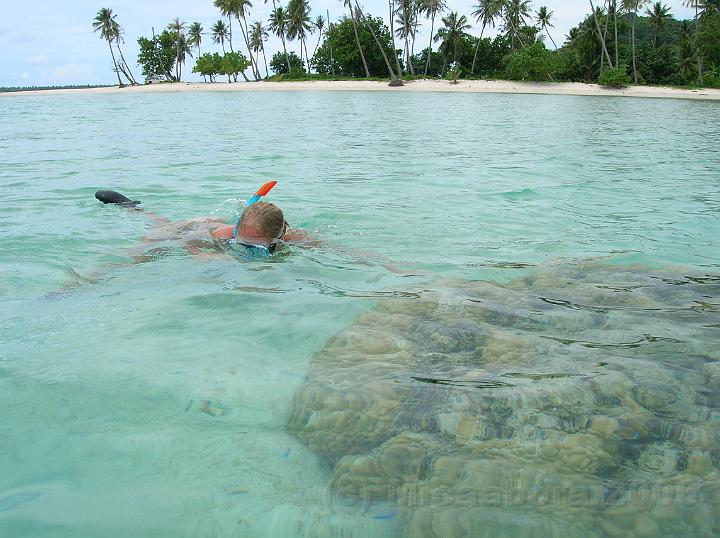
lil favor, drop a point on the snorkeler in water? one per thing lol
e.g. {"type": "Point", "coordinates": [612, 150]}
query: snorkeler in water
{"type": "Point", "coordinates": [261, 228]}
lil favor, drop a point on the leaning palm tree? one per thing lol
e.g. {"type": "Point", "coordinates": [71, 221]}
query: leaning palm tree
{"type": "Point", "coordinates": [258, 36]}
{"type": "Point", "coordinates": [354, 16]}
{"type": "Point", "coordinates": [453, 31]}
{"type": "Point", "coordinates": [122, 64]}
{"type": "Point", "coordinates": [431, 9]}
{"type": "Point", "coordinates": [633, 6]}
{"type": "Point", "coordinates": [241, 9]}
{"type": "Point", "coordinates": [543, 19]}
{"type": "Point", "coordinates": [278, 24]}
{"type": "Point", "coordinates": [219, 33]}
{"type": "Point", "coordinates": [659, 14]}
{"type": "Point", "coordinates": [195, 35]}
{"type": "Point", "coordinates": [515, 13]}
{"type": "Point", "coordinates": [600, 32]}
{"type": "Point", "coordinates": [108, 27]}
{"type": "Point", "coordinates": [486, 11]}
{"type": "Point", "coordinates": [393, 77]}
{"type": "Point", "coordinates": [177, 26]}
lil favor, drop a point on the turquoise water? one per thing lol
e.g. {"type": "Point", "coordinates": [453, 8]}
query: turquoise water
{"type": "Point", "coordinates": [563, 278]}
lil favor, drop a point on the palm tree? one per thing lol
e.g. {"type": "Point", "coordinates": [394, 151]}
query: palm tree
{"type": "Point", "coordinates": [451, 33]}
{"type": "Point", "coordinates": [185, 49]}
{"type": "Point", "coordinates": [431, 8]}
{"type": "Point", "coordinates": [109, 28]}
{"type": "Point", "coordinates": [393, 76]}
{"type": "Point", "coordinates": [319, 26]}
{"type": "Point", "coordinates": [195, 35]}
{"type": "Point", "coordinates": [516, 13]}
{"type": "Point", "coordinates": [354, 16]}
{"type": "Point", "coordinates": [599, 31]}
{"type": "Point", "coordinates": [177, 26]}
{"type": "Point", "coordinates": [258, 36]}
{"type": "Point", "coordinates": [486, 11]}
{"type": "Point", "coordinates": [633, 6]}
{"type": "Point", "coordinates": [299, 24]}
{"type": "Point", "coordinates": [543, 19]}
{"type": "Point", "coordinates": [219, 32]}
{"type": "Point", "coordinates": [278, 25]}
{"type": "Point", "coordinates": [659, 15]}
{"type": "Point", "coordinates": [226, 10]}
{"type": "Point", "coordinates": [123, 65]}
{"type": "Point", "coordinates": [241, 8]}
{"type": "Point", "coordinates": [407, 19]}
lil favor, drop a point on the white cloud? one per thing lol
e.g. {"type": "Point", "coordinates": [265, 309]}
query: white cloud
{"type": "Point", "coordinates": [39, 59]}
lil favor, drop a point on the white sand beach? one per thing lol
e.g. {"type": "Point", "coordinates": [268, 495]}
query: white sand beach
{"type": "Point", "coordinates": [463, 86]}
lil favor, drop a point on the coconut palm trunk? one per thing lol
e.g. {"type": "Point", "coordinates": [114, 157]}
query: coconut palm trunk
{"type": "Point", "coordinates": [128, 72]}
{"type": "Point", "coordinates": [357, 41]}
{"type": "Point", "coordinates": [432, 27]}
{"type": "Point", "coordinates": [264, 60]}
{"type": "Point", "coordinates": [393, 76]}
{"type": "Point", "coordinates": [617, 57]}
{"type": "Point", "coordinates": [253, 66]}
{"type": "Point", "coordinates": [635, 73]}
{"type": "Point", "coordinates": [391, 7]}
{"type": "Point", "coordinates": [117, 71]}
{"type": "Point", "coordinates": [600, 34]}
{"type": "Point", "coordinates": [477, 46]}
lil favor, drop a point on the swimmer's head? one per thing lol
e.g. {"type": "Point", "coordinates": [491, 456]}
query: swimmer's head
{"type": "Point", "coordinates": [262, 223]}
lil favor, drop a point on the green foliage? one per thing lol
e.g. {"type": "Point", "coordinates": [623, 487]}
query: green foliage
{"type": "Point", "coordinates": [533, 63]}
{"type": "Point", "coordinates": [278, 64]}
{"type": "Point", "coordinates": [157, 56]}
{"type": "Point", "coordinates": [709, 39]}
{"type": "Point", "coordinates": [345, 60]}
{"type": "Point", "coordinates": [232, 64]}
{"type": "Point", "coordinates": [209, 65]}
{"type": "Point", "coordinates": [711, 79]}
{"type": "Point", "coordinates": [657, 65]}
{"type": "Point", "coordinates": [614, 77]}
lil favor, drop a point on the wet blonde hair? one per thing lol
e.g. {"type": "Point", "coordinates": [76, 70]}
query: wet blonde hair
{"type": "Point", "coordinates": [266, 217]}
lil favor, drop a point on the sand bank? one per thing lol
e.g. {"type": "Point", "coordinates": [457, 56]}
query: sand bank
{"type": "Point", "coordinates": [464, 86]}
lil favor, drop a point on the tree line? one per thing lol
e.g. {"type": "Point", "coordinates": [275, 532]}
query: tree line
{"type": "Point", "coordinates": [618, 41]}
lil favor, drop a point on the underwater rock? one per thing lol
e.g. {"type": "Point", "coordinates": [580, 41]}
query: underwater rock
{"type": "Point", "coordinates": [529, 409]}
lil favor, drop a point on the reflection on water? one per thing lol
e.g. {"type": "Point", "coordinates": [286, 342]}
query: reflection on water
{"type": "Point", "coordinates": [583, 400]}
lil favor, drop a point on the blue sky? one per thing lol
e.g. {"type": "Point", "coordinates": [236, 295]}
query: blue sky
{"type": "Point", "coordinates": [52, 43]}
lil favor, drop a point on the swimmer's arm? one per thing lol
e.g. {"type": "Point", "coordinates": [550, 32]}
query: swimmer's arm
{"type": "Point", "coordinates": [301, 237]}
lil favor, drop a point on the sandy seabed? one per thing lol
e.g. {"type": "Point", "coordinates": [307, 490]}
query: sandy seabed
{"type": "Point", "coordinates": [463, 86]}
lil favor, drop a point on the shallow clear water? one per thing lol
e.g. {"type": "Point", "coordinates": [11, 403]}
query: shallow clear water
{"type": "Point", "coordinates": [558, 333]}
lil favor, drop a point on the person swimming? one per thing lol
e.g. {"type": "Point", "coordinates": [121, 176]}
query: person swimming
{"type": "Point", "coordinates": [260, 228]}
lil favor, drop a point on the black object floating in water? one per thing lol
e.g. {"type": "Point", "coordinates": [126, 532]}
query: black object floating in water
{"type": "Point", "coordinates": [114, 197]}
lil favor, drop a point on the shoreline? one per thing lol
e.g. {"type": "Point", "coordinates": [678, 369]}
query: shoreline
{"type": "Point", "coordinates": [425, 85]}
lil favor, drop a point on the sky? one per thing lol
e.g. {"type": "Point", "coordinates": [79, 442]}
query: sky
{"type": "Point", "coordinates": [50, 43]}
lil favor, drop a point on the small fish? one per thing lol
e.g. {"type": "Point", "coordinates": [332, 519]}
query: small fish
{"type": "Point", "coordinates": [286, 454]}
{"type": "Point", "coordinates": [207, 407]}
{"type": "Point", "coordinates": [381, 517]}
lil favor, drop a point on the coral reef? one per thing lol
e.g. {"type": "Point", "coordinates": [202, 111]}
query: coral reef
{"type": "Point", "coordinates": [581, 400]}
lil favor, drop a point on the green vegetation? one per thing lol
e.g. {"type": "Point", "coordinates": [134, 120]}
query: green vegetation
{"type": "Point", "coordinates": [617, 42]}
{"type": "Point", "coordinates": [614, 77]}
{"type": "Point", "coordinates": [279, 64]}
